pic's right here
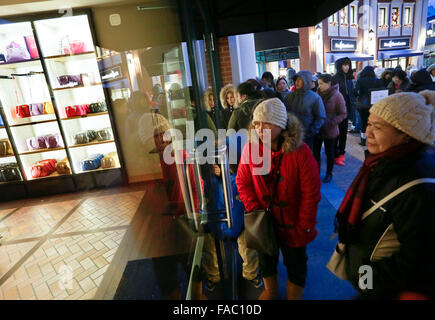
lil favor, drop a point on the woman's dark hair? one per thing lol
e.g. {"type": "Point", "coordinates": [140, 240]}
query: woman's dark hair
{"type": "Point", "coordinates": [279, 79]}
{"type": "Point", "coordinates": [267, 75]}
{"type": "Point", "coordinates": [400, 74]}
{"type": "Point", "coordinates": [325, 77]}
{"type": "Point", "coordinates": [251, 88]}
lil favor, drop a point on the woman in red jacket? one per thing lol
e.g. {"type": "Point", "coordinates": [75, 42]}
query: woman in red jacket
{"type": "Point", "coordinates": [295, 188]}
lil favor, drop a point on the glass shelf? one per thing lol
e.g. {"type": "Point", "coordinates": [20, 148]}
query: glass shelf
{"type": "Point", "coordinates": [20, 64]}
{"type": "Point", "coordinates": [40, 151]}
{"type": "Point", "coordinates": [71, 57]}
{"type": "Point", "coordinates": [87, 115]}
{"type": "Point", "coordinates": [53, 175]}
{"type": "Point", "coordinates": [78, 87]}
{"type": "Point", "coordinates": [31, 123]}
{"type": "Point", "coordinates": [90, 144]}
{"type": "Point", "coordinates": [99, 169]}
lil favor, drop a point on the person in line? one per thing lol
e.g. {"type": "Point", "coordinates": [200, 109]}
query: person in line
{"type": "Point", "coordinates": [399, 83]}
{"type": "Point", "coordinates": [282, 89]}
{"type": "Point", "coordinates": [387, 76]}
{"type": "Point", "coordinates": [367, 81]}
{"type": "Point", "coordinates": [267, 78]}
{"type": "Point", "coordinates": [421, 80]}
{"type": "Point", "coordinates": [295, 187]}
{"type": "Point", "coordinates": [289, 77]}
{"type": "Point", "coordinates": [343, 78]}
{"type": "Point", "coordinates": [335, 108]}
{"type": "Point", "coordinates": [248, 94]}
{"type": "Point", "coordinates": [307, 106]}
{"type": "Point", "coordinates": [228, 99]}
{"type": "Point", "coordinates": [209, 105]}
{"type": "Point", "coordinates": [400, 140]}
{"type": "Point", "coordinates": [315, 83]}
{"type": "Point", "coordinates": [431, 70]}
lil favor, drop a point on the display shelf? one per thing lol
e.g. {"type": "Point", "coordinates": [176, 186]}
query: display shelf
{"type": "Point", "coordinates": [31, 123]}
{"type": "Point", "coordinates": [2, 127]}
{"type": "Point", "coordinates": [40, 151]}
{"type": "Point", "coordinates": [53, 175]}
{"type": "Point", "coordinates": [20, 64]}
{"type": "Point", "coordinates": [8, 156]}
{"type": "Point", "coordinates": [99, 169]}
{"type": "Point", "coordinates": [78, 87]}
{"type": "Point", "coordinates": [91, 144]}
{"type": "Point", "coordinates": [87, 115]}
{"type": "Point", "coordinates": [72, 57]}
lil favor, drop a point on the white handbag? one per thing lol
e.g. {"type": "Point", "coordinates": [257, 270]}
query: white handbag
{"type": "Point", "coordinates": [387, 244]}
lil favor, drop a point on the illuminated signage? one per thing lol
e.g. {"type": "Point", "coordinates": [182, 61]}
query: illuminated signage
{"type": "Point", "coordinates": [343, 45]}
{"type": "Point", "coordinates": [398, 43]}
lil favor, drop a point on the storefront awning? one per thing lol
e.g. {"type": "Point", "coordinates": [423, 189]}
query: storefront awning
{"type": "Point", "coordinates": [398, 54]}
{"type": "Point", "coordinates": [331, 57]}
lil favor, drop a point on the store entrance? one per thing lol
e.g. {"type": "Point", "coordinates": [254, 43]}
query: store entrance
{"type": "Point", "coordinates": [393, 63]}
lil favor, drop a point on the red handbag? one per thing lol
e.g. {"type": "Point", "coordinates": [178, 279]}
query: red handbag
{"type": "Point", "coordinates": [77, 110]}
{"type": "Point", "coordinates": [22, 111]}
{"type": "Point", "coordinates": [43, 168]}
{"type": "Point", "coordinates": [77, 46]}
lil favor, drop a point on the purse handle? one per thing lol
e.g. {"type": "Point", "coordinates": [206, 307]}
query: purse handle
{"type": "Point", "coordinates": [391, 196]}
{"type": "Point", "coordinates": [395, 193]}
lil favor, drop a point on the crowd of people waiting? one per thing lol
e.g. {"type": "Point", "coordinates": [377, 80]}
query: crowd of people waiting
{"type": "Point", "coordinates": [305, 111]}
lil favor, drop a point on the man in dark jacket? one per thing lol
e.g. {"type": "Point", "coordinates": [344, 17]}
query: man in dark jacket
{"type": "Point", "coordinates": [343, 78]}
{"type": "Point", "coordinates": [367, 81]}
{"type": "Point", "coordinates": [306, 105]}
{"type": "Point", "coordinates": [421, 80]}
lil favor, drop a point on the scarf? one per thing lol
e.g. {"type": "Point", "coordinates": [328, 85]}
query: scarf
{"type": "Point", "coordinates": [351, 208]}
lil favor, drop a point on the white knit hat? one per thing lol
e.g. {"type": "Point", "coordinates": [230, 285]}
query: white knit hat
{"type": "Point", "coordinates": [271, 111]}
{"type": "Point", "coordinates": [411, 113]}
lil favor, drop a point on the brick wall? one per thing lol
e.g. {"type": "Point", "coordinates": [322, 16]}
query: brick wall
{"type": "Point", "coordinates": [224, 60]}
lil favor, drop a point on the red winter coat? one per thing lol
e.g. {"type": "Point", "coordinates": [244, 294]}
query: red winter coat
{"type": "Point", "coordinates": [298, 191]}
{"type": "Point", "coordinates": [335, 108]}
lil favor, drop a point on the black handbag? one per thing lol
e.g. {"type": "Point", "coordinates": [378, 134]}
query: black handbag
{"type": "Point", "coordinates": [97, 107]}
{"type": "Point", "coordinates": [260, 231]}
{"type": "Point", "coordinates": [9, 172]}
{"type": "Point", "coordinates": [104, 134]}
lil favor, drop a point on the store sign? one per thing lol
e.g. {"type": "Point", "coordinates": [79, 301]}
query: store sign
{"type": "Point", "coordinates": [343, 45]}
{"type": "Point", "coordinates": [398, 43]}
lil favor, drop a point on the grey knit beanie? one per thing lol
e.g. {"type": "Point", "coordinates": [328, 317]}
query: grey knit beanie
{"type": "Point", "coordinates": [271, 111]}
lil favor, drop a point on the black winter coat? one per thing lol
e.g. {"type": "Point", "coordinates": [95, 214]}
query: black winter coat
{"type": "Point", "coordinates": [421, 80]}
{"type": "Point", "coordinates": [412, 214]}
{"type": "Point", "coordinates": [242, 116]}
{"type": "Point", "coordinates": [345, 83]}
{"type": "Point", "coordinates": [366, 81]}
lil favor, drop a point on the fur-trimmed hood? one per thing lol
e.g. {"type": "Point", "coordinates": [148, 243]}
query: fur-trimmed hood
{"type": "Point", "coordinates": [293, 135]}
{"type": "Point", "coordinates": [223, 95]}
{"type": "Point", "coordinates": [206, 98]}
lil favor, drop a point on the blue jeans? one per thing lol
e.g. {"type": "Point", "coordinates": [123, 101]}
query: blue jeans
{"type": "Point", "coordinates": [356, 122]}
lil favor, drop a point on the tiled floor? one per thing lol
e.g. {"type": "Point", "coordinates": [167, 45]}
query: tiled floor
{"type": "Point", "coordinates": [62, 250]}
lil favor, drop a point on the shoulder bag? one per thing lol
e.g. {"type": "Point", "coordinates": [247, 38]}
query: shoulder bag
{"type": "Point", "coordinates": [260, 233]}
{"type": "Point", "coordinates": [387, 244]}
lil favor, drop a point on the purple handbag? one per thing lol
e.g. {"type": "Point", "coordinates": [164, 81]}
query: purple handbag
{"type": "Point", "coordinates": [53, 141]}
{"type": "Point", "coordinates": [14, 53]}
{"type": "Point", "coordinates": [36, 109]}
{"type": "Point", "coordinates": [36, 143]}
{"type": "Point", "coordinates": [67, 79]}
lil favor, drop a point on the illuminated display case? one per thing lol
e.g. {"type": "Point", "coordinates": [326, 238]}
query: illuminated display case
{"type": "Point", "coordinates": [56, 115]}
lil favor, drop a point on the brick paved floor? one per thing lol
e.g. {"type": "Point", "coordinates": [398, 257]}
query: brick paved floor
{"type": "Point", "coordinates": [61, 250]}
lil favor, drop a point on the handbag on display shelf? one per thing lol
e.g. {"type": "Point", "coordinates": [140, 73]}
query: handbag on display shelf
{"type": "Point", "coordinates": [16, 53]}
{"type": "Point", "coordinates": [31, 46]}
{"type": "Point", "coordinates": [386, 245]}
{"type": "Point", "coordinates": [36, 143]}
{"type": "Point", "coordinates": [48, 107]}
{"type": "Point", "coordinates": [260, 233]}
{"type": "Point", "coordinates": [36, 109]}
{"type": "Point", "coordinates": [43, 168]}
{"type": "Point", "coordinates": [2, 58]}
{"type": "Point", "coordinates": [53, 141]}
{"type": "Point", "coordinates": [107, 162]}
{"type": "Point", "coordinates": [93, 162]}
{"type": "Point", "coordinates": [104, 134]}
{"type": "Point", "coordinates": [9, 172]}
{"type": "Point", "coordinates": [22, 111]}
{"type": "Point", "coordinates": [5, 148]}
{"type": "Point", "coordinates": [74, 80]}
{"type": "Point", "coordinates": [83, 137]}
{"type": "Point", "coordinates": [77, 110]}
{"type": "Point", "coordinates": [98, 107]}
{"type": "Point", "coordinates": [77, 46]}
{"type": "Point", "coordinates": [62, 167]}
